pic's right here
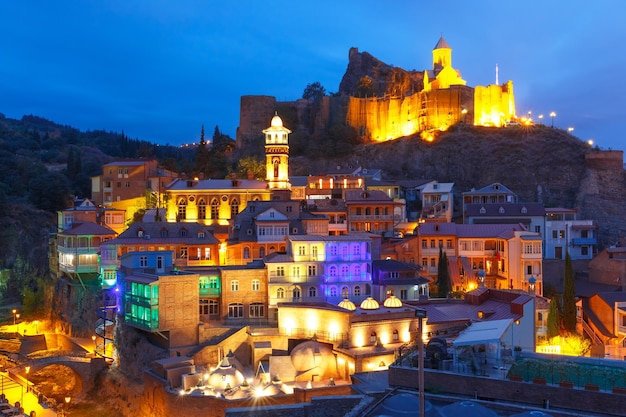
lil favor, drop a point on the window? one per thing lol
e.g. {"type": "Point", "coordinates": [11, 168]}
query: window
{"type": "Point", "coordinates": [537, 229]}
{"type": "Point", "coordinates": [425, 262]}
{"type": "Point", "coordinates": [345, 292]}
{"type": "Point", "coordinates": [345, 271]}
{"type": "Point", "coordinates": [314, 252]}
{"type": "Point", "coordinates": [394, 274]}
{"type": "Point", "coordinates": [234, 285]}
{"type": "Point", "coordinates": [357, 291]}
{"type": "Point", "coordinates": [210, 307]}
{"type": "Point", "coordinates": [403, 294]}
{"type": "Point", "coordinates": [256, 285]}
{"type": "Point", "coordinates": [201, 209]}
{"type": "Point", "coordinates": [424, 243]}
{"type": "Point", "coordinates": [357, 271]}
{"type": "Point", "coordinates": [182, 233]}
{"type": "Point", "coordinates": [561, 234]}
{"type": "Point", "coordinates": [280, 271]}
{"type": "Point", "coordinates": [312, 292]}
{"type": "Point", "coordinates": [356, 250]}
{"type": "Point", "coordinates": [295, 271]}
{"type": "Point", "coordinates": [127, 184]}
{"type": "Point", "coordinates": [333, 250]}
{"type": "Point", "coordinates": [257, 310]}
{"type": "Point", "coordinates": [183, 252]}
{"type": "Point", "coordinates": [584, 250]}
{"type": "Point", "coordinates": [395, 336]}
{"type": "Point", "coordinates": [246, 253]}
{"type": "Point", "coordinates": [332, 271]}
{"type": "Point", "coordinates": [296, 292]}
{"type": "Point", "coordinates": [143, 261]}
{"type": "Point", "coordinates": [235, 310]}
{"type": "Point", "coordinates": [182, 209]}
{"type": "Point", "coordinates": [584, 234]}
{"type": "Point", "coordinates": [280, 293]}
{"type": "Point", "coordinates": [333, 291]}
{"type": "Point", "coordinates": [301, 250]}
{"type": "Point", "coordinates": [529, 269]}
{"type": "Point", "coordinates": [312, 270]}
{"type": "Point", "coordinates": [554, 234]}
{"type": "Point", "coordinates": [432, 243]}
{"type": "Point", "coordinates": [433, 262]}
{"type": "Point", "coordinates": [215, 209]}
{"type": "Point", "coordinates": [234, 208]}
{"type": "Point", "coordinates": [261, 252]}
{"type": "Point", "coordinates": [373, 338]}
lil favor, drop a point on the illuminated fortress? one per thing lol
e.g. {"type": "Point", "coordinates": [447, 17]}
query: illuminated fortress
{"type": "Point", "coordinates": [444, 101]}
{"type": "Point", "coordinates": [399, 103]}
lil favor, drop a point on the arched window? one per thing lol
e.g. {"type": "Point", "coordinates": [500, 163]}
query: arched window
{"type": "Point", "coordinates": [368, 211]}
{"type": "Point", "coordinates": [182, 209]}
{"type": "Point", "coordinates": [373, 338]}
{"type": "Point", "coordinates": [235, 310]}
{"type": "Point", "coordinates": [357, 272]}
{"type": "Point", "coordinates": [280, 293]}
{"type": "Point", "coordinates": [234, 208]}
{"type": "Point", "coordinates": [332, 291]}
{"type": "Point", "coordinates": [215, 209]}
{"type": "Point", "coordinates": [272, 249]}
{"type": "Point", "coordinates": [332, 271]}
{"type": "Point", "coordinates": [345, 271]}
{"type": "Point", "coordinates": [201, 209]}
{"type": "Point", "coordinates": [296, 292]}
{"type": "Point", "coordinates": [357, 291]}
{"type": "Point", "coordinates": [312, 292]}
{"type": "Point", "coordinates": [246, 253]}
{"type": "Point", "coordinates": [377, 211]}
{"type": "Point", "coordinates": [395, 336]}
{"type": "Point", "coordinates": [257, 310]}
{"type": "Point", "coordinates": [261, 252]}
{"type": "Point", "coordinates": [345, 292]}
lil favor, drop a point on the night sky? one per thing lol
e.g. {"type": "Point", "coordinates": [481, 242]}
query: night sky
{"type": "Point", "coordinates": [159, 70]}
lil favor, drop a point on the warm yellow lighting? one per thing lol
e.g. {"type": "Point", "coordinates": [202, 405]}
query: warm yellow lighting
{"type": "Point", "coordinates": [333, 328]}
{"type": "Point", "coordinates": [258, 391]}
{"type": "Point", "coordinates": [341, 361]}
{"type": "Point", "coordinates": [590, 142]}
{"type": "Point", "coordinates": [570, 129]}
{"type": "Point", "coordinates": [471, 286]}
{"type": "Point", "coordinates": [406, 337]}
{"type": "Point", "coordinates": [359, 340]}
{"type": "Point", "coordinates": [384, 338]}
{"type": "Point", "coordinates": [181, 392]}
{"type": "Point", "coordinates": [67, 400]}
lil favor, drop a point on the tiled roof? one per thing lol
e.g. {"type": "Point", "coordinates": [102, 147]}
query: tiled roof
{"type": "Point", "coordinates": [359, 196]}
{"type": "Point", "coordinates": [495, 188]}
{"type": "Point", "coordinates": [213, 184]}
{"type": "Point", "coordinates": [87, 228]}
{"type": "Point", "coordinates": [468, 230]}
{"type": "Point", "coordinates": [393, 265]}
{"type": "Point", "coordinates": [152, 232]}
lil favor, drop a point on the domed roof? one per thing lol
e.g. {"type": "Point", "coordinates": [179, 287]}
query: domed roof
{"type": "Point", "coordinates": [312, 354]}
{"type": "Point", "coordinates": [370, 304]}
{"type": "Point", "coordinates": [392, 302]}
{"type": "Point", "coordinates": [225, 375]}
{"type": "Point", "coordinates": [467, 409]}
{"type": "Point", "coordinates": [277, 121]}
{"type": "Point", "coordinates": [347, 304]}
{"type": "Point", "coordinates": [404, 404]}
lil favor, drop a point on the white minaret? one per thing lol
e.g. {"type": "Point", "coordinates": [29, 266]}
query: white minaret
{"type": "Point", "coordinates": [277, 158]}
{"type": "Point", "coordinates": [497, 82]}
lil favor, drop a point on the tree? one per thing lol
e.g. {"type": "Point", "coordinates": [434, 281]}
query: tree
{"type": "Point", "coordinates": [202, 154]}
{"type": "Point", "coordinates": [443, 275]}
{"type": "Point", "coordinates": [314, 91]}
{"type": "Point", "coordinates": [569, 296]}
{"type": "Point", "coordinates": [553, 319]}
{"type": "Point", "coordinates": [251, 165]}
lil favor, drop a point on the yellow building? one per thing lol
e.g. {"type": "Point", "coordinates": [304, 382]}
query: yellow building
{"type": "Point", "coordinates": [444, 101]}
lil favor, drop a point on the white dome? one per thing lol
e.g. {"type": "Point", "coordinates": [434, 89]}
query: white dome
{"type": "Point", "coordinates": [277, 121]}
{"type": "Point", "coordinates": [347, 304]}
{"type": "Point", "coordinates": [392, 302]}
{"type": "Point", "coordinates": [370, 304]}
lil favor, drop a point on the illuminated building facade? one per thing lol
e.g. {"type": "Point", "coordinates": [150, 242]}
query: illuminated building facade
{"type": "Point", "coordinates": [277, 158]}
{"type": "Point", "coordinates": [444, 101]}
{"type": "Point", "coordinates": [565, 233]}
{"type": "Point", "coordinates": [373, 211]}
{"type": "Point", "coordinates": [508, 254]}
{"type": "Point", "coordinates": [437, 201]}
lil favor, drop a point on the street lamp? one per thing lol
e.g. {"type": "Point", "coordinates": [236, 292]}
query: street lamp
{"type": "Point", "coordinates": [464, 113]}
{"type": "Point", "coordinates": [94, 344]}
{"type": "Point", "coordinates": [552, 115]}
{"type": "Point", "coordinates": [67, 405]}
{"type": "Point", "coordinates": [18, 319]}
{"type": "Point", "coordinates": [515, 323]}
{"type": "Point", "coordinates": [421, 315]}
{"type": "Point", "coordinates": [570, 130]}
{"type": "Point", "coordinates": [14, 311]}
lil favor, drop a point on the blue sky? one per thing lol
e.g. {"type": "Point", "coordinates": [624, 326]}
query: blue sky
{"type": "Point", "coordinates": [160, 69]}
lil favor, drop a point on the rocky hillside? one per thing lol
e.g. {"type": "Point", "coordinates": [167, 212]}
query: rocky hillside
{"type": "Point", "coordinates": [539, 164]}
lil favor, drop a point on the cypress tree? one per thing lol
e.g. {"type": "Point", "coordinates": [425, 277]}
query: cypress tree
{"type": "Point", "coordinates": [569, 296]}
{"type": "Point", "coordinates": [443, 275]}
{"type": "Point", "coordinates": [553, 319]}
{"type": "Point", "coordinates": [202, 155]}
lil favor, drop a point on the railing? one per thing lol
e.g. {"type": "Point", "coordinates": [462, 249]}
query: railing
{"type": "Point", "coordinates": [296, 279]}
{"type": "Point", "coordinates": [587, 329]}
{"type": "Point", "coordinates": [308, 333]}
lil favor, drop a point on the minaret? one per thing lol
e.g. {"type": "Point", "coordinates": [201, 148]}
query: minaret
{"type": "Point", "coordinates": [277, 159]}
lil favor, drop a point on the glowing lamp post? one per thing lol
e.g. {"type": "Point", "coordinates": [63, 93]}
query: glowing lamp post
{"type": "Point", "coordinates": [464, 113]}
{"type": "Point", "coordinates": [17, 316]}
{"type": "Point", "coordinates": [27, 371]}
{"type": "Point", "coordinates": [94, 344]}
{"type": "Point", "coordinates": [14, 311]}
{"type": "Point", "coordinates": [552, 115]}
{"type": "Point", "coordinates": [67, 405]}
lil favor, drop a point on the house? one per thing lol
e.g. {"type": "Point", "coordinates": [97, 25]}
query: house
{"type": "Point", "coordinates": [604, 320]}
{"type": "Point", "coordinates": [565, 233]}
{"type": "Point", "coordinates": [373, 211]}
{"type": "Point", "coordinates": [86, 211]}
{"type": "Point", "coordinates": [495, 193]}
{"type": "Point", "coordinates": [399, 279]}
{"type": "Point", "coordinates": [437, 201]}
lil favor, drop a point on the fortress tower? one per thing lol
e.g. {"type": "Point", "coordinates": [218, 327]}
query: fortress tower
{"type": "Point", "coordinates": [277, 159]}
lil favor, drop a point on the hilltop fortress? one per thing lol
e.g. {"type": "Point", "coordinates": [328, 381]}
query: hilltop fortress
{"type": "Point", "coordinates": [384, 103]}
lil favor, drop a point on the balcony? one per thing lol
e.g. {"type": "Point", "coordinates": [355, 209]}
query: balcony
{"type": "Point", "coordinates": [295, 279]}
{"type": "Point", "coordinates": [582, 241]}
{"type": "Point", "coordinates": [210, 292]}
{"type": "Point", "coordinates": [373, 217]}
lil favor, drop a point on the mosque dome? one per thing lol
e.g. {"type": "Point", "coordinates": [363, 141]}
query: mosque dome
{"type": "Point", "coordinates": [403, 404]}
{"type": "Point", "coordinates": [347, 304]}
{"type": "Point", "coordinates": [225, 375]}
{"type": "Point", "coordinates": [370, 304]}
{"type": "Point", "coordinates": [313, 354]}
{"type": "Point", "coordinates": [392, 302]}
{"type": "Point", "coordinates": [277, 121]}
